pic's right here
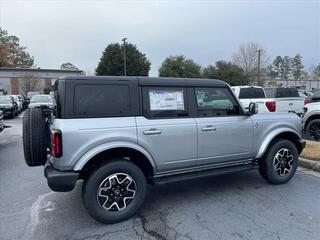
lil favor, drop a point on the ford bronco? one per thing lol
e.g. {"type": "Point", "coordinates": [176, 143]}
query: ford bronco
{"type": "Point", "coordinates": [119, 134]}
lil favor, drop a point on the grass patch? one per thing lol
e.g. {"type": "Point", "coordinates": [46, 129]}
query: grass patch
{"type": "Point", "coordinates": [311, 151]}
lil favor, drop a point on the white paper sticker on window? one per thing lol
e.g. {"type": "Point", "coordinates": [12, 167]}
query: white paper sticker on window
{"type": "Point", "coordinates": [166, 100]}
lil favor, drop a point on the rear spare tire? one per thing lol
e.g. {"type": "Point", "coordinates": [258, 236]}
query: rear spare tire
{"type": "Point", "coordinates": [35, 135]}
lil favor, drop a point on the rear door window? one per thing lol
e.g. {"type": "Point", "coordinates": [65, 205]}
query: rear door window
{"type": "Point", "coordinates": [165, 102]}
{"type": "Point", "coordinates": [101, 100]}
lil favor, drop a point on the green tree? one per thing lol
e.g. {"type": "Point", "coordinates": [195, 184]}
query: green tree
{"type": "Point", "coordinates": [277, 66]}
{"type": "Point", "coordinates": [18, 57]}
{"type": "Point", "coordinates": [287, 69]}
{"type": "Point", "coordinates": [226, 71]}
{"type": "Point", "coordinates": [4, 56]}
{"type": "Point", "coordinates": [68, 66]}
{"type": "Point", "coordinates": [179, 66]}
{"type": "Point", "coordinates": [111, 62]}
{"type": "Point", "coordinates": [316, 72]}
{"type": "Point", "coordinates": [297, 67]}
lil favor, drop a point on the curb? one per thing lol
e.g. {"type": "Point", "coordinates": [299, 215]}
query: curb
{"type": "Point", "coordinates": [310, 164]}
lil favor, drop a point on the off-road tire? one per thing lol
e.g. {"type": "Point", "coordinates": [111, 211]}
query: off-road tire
{"type": "Point", "coordinates": [35, 134]}
{"type": "Point", "coordinates": [308, 129]}
{"type": "Point", "coordinates": [97, 177]}
{"type": "Point", "coordinates": [266, 164]}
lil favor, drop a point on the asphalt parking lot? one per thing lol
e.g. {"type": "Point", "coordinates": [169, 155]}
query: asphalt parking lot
{"type": "Point", "coordinates": [238, 206]}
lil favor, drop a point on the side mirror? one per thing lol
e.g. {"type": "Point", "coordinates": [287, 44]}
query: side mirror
{"type": "Point", "coordinates": [253, 108]}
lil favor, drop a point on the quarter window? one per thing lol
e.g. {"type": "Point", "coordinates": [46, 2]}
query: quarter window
{"type": "Point", "coordinates": [98, 100]}
{"type": "Point", "coordinates": [160, 102]}
{"type": "Point", "coordinates": [215, 102]}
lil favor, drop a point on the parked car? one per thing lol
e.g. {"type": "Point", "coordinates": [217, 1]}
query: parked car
{"type": "Point", "coordinates": [1, 121]}
{"type": "Point", "coordinates": [19, 103]}
{"type": "Point", "coordinates": [31, 94]}
{"type": "Point", "coordinates": [256, 94]}
{"type": "Point", "coordinates": [311, 121]}
{"type": "Point", "coordinates": [8, 106]}
{"type": "Point", "coordinates": [41, 100]}
{"type": "Point", "coordinates": [314, 98]}
{"type": "Point", "coordinates": [26, 101]}
{"type": "Point", "coordinates": [285, 99]}
{"type": "Point", "coordinates": [120, 133]}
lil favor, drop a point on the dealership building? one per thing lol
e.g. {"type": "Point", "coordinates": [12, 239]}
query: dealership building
{"type": "Point", "coordinates": [22, 80]}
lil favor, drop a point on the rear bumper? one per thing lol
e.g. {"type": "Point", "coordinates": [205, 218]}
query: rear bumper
{"type": "Point", "coordinates": [60, 181]}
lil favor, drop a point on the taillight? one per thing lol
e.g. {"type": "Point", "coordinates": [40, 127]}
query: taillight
{"type": "Point", "coordinates": [56, 143]}
{"type": "Point", "coordinates": [307, 100]}
{"type": "Point", "coordinates": [271, 106]}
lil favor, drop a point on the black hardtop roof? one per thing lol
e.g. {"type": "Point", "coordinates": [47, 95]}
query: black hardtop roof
{"type": "Point", "coordinates": [153, 81]}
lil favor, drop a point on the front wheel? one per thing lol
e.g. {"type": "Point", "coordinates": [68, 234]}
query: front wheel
{"type": "Point", "coordinates": [114, 192]}
{"type": "Point", "coordinates": [280, 162]}
{"type": "Point", "coordinates": [313, 130]}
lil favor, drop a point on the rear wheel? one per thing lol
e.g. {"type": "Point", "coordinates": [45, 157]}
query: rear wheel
{"type": "Point", "coordinates": [280, 162]}
{"type": "Point", "coordinates": [114, 192]}
{"type": "Point", "coordinates": [313, 130]}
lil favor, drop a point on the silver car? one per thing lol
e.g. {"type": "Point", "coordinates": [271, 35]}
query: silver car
{"type": "Point", "coordinates": [120, 133]}
{"type": "Point", "coordinates": [41, 100]}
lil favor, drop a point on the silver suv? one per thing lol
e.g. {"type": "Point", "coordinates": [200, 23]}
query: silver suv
{"type": "Point", "coordinates": [120, 133]}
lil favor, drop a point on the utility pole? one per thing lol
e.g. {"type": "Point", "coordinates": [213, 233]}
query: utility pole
{"type": "Point", "coordinates": [259, 56]}
{"type": "Point", "coordinates": [124, 57]}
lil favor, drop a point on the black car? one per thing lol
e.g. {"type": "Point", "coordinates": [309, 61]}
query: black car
{"type": "Point", "coordinates": [8, 106]}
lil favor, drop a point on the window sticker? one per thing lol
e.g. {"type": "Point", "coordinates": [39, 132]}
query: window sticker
{"type": "Point", "coordinates": [166, 100]}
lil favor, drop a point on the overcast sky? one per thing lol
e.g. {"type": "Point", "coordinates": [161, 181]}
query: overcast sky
{"type": "Point", "coordinates": [206, 31]}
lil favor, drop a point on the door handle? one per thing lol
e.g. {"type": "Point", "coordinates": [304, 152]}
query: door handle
{"type": "Point", "coordinates": [208, 129]}
{"type": "Point", "coordinates": [152, 131]}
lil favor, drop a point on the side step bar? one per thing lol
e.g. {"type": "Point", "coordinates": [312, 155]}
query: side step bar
{"type": "Point", "coordinates": [202, 174]}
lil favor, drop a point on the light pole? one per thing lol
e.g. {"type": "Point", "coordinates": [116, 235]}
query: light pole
{"type": "Point", "coordinates": [259, 56]}
{"type": "Point", "coordinates": [124, 57]}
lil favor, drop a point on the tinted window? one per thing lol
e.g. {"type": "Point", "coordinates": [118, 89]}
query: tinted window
{"type": "Point", "coordinates": [251, 93]}
{"type": "Point", "coordinates": [216, 102]}
{"type": "Point", "coordinates": [270, 92]}
{"type": "Point", "coordinates": [164, 102]}
{"type": "Point", "coordinates": [281, 92]}
{"type": "Point", "coordinates": [101, 100]}
{"type": "Point", "coordinates": [287, 92]}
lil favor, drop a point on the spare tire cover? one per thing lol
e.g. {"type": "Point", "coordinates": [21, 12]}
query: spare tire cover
{"type": "Point", "coordinates": [35, 135]}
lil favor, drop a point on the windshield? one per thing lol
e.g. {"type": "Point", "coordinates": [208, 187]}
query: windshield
{"type": "Point", "coordinates": [5, 100]}
{"type": "Point", "coordinates": [38, 98]}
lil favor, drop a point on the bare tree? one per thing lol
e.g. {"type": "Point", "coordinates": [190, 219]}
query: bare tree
{"type": "Point", "coordinates": [247, 57]}
{"type": "Point", "coordinates": [29, 83]}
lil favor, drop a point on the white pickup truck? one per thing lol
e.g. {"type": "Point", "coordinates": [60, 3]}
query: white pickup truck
{"type": "Point", "coordinates": [275, 99]}
{"type": "Point", "coordinates": [286, 99]}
